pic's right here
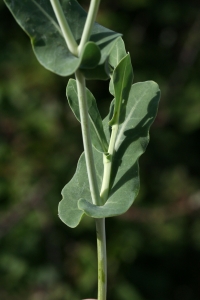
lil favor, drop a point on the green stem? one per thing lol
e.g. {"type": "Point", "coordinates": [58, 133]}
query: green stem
{"type": "Point", "coordinates": [66, 31]}
{"type": "Point", "coordinates": [102, 259]}
{"type": "Point", "coordinates": [108, 160]}
{"type": "Point", "coordinates": [100, 223]}
{"type": "Point", "coordinates": [84, 118]}
{"type": "Point", "coordinates": [81, 88]}
{"type": "Point", "coordinates": [92, 13]}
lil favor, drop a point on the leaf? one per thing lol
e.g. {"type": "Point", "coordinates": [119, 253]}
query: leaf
{"type": "Point", "coordinates": [98, 137]}
{"type": "Point", "coordinates": [101, 72]}
{"type": "Point", "coordinates": [91, 56]}
{"type": "Point", "coordinates": [76, 189]}
{"type": "Point", "coordinates": [131, 142]}
{"type": "Point", "coordinates": [118, 52]}
{"type": "Point", "coordinates": [37, 19]}
{"type": "Point", "coordinates": [122, 81]}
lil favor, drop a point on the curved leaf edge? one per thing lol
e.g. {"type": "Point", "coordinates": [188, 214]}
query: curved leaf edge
{"type": "Point", "coordinates": [70, 224]}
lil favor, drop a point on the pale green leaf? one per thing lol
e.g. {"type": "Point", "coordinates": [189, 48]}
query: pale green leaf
{"type": "Point", "coordinates": [122, 81]}
{"type": "Point", "coordinates": [118, 52]}
{"type": "Point", "coordinates": [98, 137]}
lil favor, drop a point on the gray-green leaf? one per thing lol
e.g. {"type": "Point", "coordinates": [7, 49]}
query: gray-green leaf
{"type": "Point", "coordinates": [98, 137]}
{"type": "Point", "coordinates": [118, 52]}
{"type": "Point", "coordinates": [131, 142]}
{"type": "Point", "coordinates": [122, 80]}
{"type": "Point", "coordinates": [37, 19]}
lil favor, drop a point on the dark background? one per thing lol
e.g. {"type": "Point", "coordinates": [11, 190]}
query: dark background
{"type": "Point", "coordinates": [153, 249]}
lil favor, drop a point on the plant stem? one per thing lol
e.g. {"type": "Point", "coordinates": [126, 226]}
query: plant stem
{"type": "Point", "coordinates": [81, 88]}
{"type": "Point", "coordinates": [100, 223]}
{"type": "Point", "coordinates": [80, 81]}
{"type": "Point", "coordinates": [108, 160]}
{"type": "Point", "coordinates": [102, 259]}
{"type": "Point", "coordinates": [92, 13]}
{"type": "Point", "coordinates": [66, 31]}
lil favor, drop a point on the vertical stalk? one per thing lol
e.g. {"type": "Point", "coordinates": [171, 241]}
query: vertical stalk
{"type": "Point", "coordinates": [92, 13]}
{"type": "Point", "coordinates": [80, 81]}
{"type": "Point", "coordinates": [102, 259]}
{"type": "Point", "coordinates": [81, 88]}
{"type": "Point", "coordinates": [108, 160]}
{"type": "Point", "coordinates": [66, 31]}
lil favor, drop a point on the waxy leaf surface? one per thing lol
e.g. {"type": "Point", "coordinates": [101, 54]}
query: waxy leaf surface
{"type": "Point", "coordinates": [131, 142]}
{"type": "Point", "coordinates": [122, 80]}
{"type": "Point", "coordinates": [118, 52]}
{"type": "Point", "coordinates": [116, 55]}
{"type": "Point", "coordinates": [98, 137]}
{"type": "Point", "coordinates": [38, 20]}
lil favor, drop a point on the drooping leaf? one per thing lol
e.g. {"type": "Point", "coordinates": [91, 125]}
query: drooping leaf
{"type": "Point", "coordinates": [131, 142]}
{"type": "Point", "coordinates": [98, 137]}
{"type": "Point", "coordinates": [38, 20]}
{"type": "Point", "coordinates": [122, 80]}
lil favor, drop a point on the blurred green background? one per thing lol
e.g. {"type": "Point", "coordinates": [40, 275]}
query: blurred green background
{"type": "Point", "coordinates": [153, 249]}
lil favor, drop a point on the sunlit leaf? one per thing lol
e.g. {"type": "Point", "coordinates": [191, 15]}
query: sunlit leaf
{"type": "Point", "coordinates": [122, 80]}
{"type": "Point", "coordinates": [131, 142]}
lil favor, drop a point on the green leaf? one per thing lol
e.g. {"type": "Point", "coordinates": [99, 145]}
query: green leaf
{"type": "Point", "coordinates": [38, 20]}
{"type": "Point", "coordinates": [98, 137]}
{"type": "Point", "coordinates": [91, 56]}
{"type": "Point", "coordinates": [76, 189]}
{"type": "Point", "coordinates": [122, 81]}
{"type": "Point", "coordinates": [131, 142]}
{"type": "Point", "coordinates": [101, 72]}
{"type": "Point", "coordinates": [118, 52]}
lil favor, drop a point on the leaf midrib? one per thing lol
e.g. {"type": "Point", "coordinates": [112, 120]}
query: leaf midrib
{"type": "Point", "coordinates": [121, 131]}
{"type": "Point", "coordinates": [122, 84]}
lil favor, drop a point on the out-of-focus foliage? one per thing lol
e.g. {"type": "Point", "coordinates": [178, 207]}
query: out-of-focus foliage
{"type": "Point", "coordinates": [154, 249]}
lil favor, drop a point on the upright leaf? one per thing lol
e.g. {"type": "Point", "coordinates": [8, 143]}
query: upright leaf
{"type": "Point", "coordinates": [37, 19]}
{"type": "Point", "coordinates": [99, 140]}
{"type": "Point", "coordinates": [118, 52]}
{"type": "Point", "coordinates": [116, 55]}
{"type": "Point", "coordinates": [122, 81]}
